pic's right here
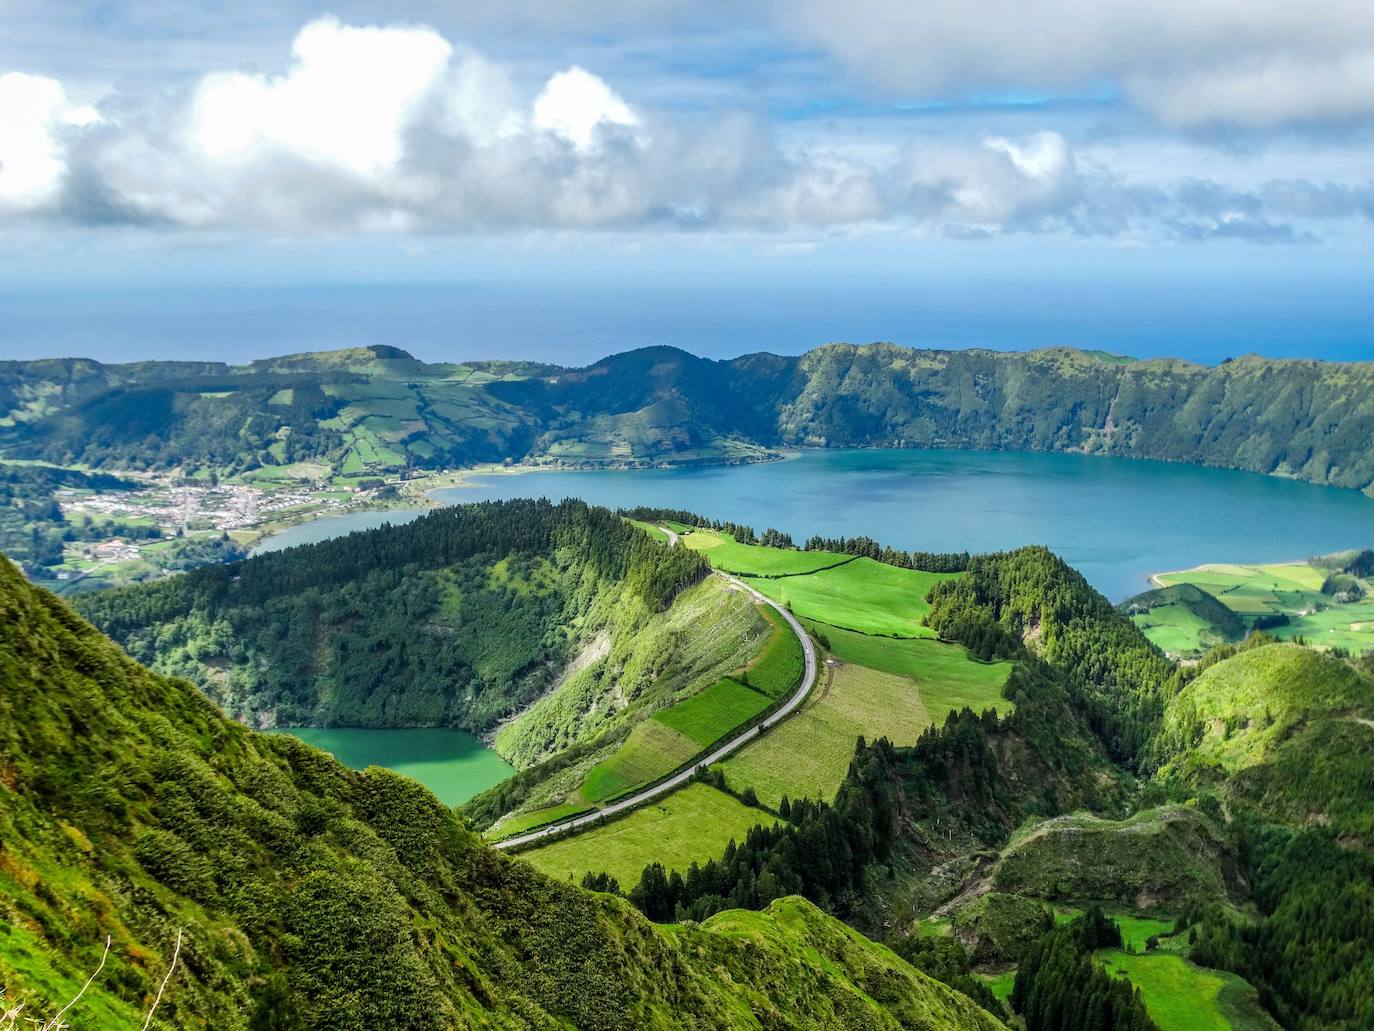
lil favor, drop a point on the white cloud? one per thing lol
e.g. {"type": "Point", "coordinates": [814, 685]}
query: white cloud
{"type": "Point", "coordinates": [1191, 62]}
{"type": "Point", "coordinates": [395, 130]}
{"type": "Point", "coordinates": [575, 105]}
{"type": "Point", "coordinates": [33, 113]}
{"type": "Point", "coordinates": [348, 98]}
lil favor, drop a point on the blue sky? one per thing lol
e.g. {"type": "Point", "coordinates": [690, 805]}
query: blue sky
{"type": "Point", "coordinates": [1154, 177]}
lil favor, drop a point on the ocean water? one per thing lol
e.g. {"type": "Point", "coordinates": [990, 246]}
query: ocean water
{"type": "Point", "coordinates": [576, 324]}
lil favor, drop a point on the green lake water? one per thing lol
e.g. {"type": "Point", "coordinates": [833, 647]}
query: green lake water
{"type": "Point", "coordinates": [453, 764]}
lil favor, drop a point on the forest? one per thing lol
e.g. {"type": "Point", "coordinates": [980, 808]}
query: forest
{"type": "Point", "coordinates": [455, 619]}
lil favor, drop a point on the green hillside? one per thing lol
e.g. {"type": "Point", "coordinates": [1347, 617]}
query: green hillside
{"type": "Point", "coordinates": [1324, 602]}
{"type": "Point", "coordinates": [460, 618]}
{"type": "Point", "coordinates": [1184, 619]}
{"type": "Point", "coordinates": [1282, 728]}
{"type": "Point", "coordinates": [313, 896]}
{"type": "Point", "coordinates": [1166, 858]}
{"type": "Point", "coordinates": [376, 409]}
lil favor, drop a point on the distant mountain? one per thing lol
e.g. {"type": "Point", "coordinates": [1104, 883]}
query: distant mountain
{"type": "Point", "coordinates": [377, 409]}
{"type": "Point", "coordinates": [311, 896]}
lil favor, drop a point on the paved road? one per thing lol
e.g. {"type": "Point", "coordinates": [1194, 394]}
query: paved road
{"type": "Point", "coordinates": [684, 775]}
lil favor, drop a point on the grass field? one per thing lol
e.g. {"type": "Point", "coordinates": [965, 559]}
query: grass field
{"type": "Point", "coordinates": [652, 750]}
{"type": "Point", "coordinates": [1252, 592]}
{"type": "Point", "coordinates": [777, 669]}
{"type": "Point", "coordinates": [710, 714]}
{"type": "Point", "coordinates": [862, 595]}
{"type": "Point", "coordinates": [1181, 996]}
{"type": "Point", "coordinates": [649, 528]}
{"type": "Point", "coordinates": [691, 825]}
{"type": "Point", "coordinates": [724, 552]}
{"type": "Point", "coordinates": [1176, 629]}
{"type": "Point", "coordinates": [808, 755]}
{"type": "Point", "coordinates": [528, 821]}
{"type": "Point", "coordinates": [947, 677]}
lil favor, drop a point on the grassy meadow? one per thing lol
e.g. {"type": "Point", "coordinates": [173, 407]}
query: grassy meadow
{"type": "Point", "coordinates": [691, 825]}
{"type": "Point", "coordinates": [947, 677]}
{"type": "Point", "coordinates": [862, 595]}
{"type": "Point", "coordinates": [808, 755]}
{"type": "Point", "coordinates": [1181, 996]}
{"type": "Point", "coordinates": [724, 552]}
{"type": "Point", "coordinates": [707, 717]}
{"type": "Point", "coordinates": [1262, 592]}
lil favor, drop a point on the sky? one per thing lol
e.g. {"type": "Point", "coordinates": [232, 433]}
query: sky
{"type": "Point", "coordinates": [561, 181]}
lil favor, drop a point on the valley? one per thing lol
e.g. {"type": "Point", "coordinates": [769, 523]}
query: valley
{"type": "Point", "coordinates": [959, 769]}
{"type": "Point", "coordinates": [958, 756]}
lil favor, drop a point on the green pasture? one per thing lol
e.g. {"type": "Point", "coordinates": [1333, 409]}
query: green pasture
{"type": "Point", "coordinates": [691, 825]}
{"type": "Point", "coordinates": [777, 669]}
{"type": "Point", "coordinates": [724, 552]}
{"type": "Point", "coordinates": [1181, 996]}
{"type": "Point", "coordinates": [808, 754]}
{"type": "Point", "coordinates": [1290, 589]}
{"type": "Point", "coordinates": [653, 750]}
{"type": "Point", "coordinates": [862, 595]}
{"type": "Point", "coordinates": [709, 715]}
{"type": "Point", "coordinates": [945, 674]}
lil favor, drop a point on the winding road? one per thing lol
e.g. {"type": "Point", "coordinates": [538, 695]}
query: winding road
{"type": "Point", "coordinates": [687, 772]}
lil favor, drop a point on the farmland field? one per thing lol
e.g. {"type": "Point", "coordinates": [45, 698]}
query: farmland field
{"type": "Point", "coordinates": [691, 825]}
{"type": "Point", "coordinates": [861, 595]}
{"type": "Point", "coordinates": [652, 750]}
{"type": "Point", "coordinates": [947, 677]}
{"type": "Point", "coordinates": [808, 754]}
{"type": "Point", "coordinates": [1290, 590]}
{"type": "Point", "coordinates": [707, 716]}
{"type": "Point", "coordinates": [724, 552]}
{"type": "Point", "coordinates": [777, 670]}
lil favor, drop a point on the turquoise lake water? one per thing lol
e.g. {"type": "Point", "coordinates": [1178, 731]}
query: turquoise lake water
{"type": "Point", "coordinates": [453, 764]}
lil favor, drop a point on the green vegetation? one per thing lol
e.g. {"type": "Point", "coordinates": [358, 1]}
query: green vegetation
{"type": "Point", "coordinates": [536, 818]}
{"type": "Point", "coordinates": [641, 661]}
{"type": "Point", "coordinates": [1324, 602]}
{"type": "Point", "coordinates": [777, 669]}
{"type": "Point", "coordinates": [808, 755]}
{"type": "Point", "coordinates": [1181, 996]}
{"type": "Point", "coordinates": [377, 409]}
{"type": "Point", "coordinates": [724, 552]}
{"type": "Point", "coordinates": [998, 928]}
{"type": "Point", "coordinates": [686, 827]}
{"type": "Point", "coordinates": [948, 677]}
{"type": "Point", "coordinates": [1166, 857]}
{"type": "Point", "coordinates": [1184, 619]}
{"type": "Point", "coordinates": [862, 595]}
{"type": "Point", "coordinates": [707, 717]}
{"type": "Point", "coordinates": [653, 750]}
{"type": "Point", "coordinates": [418, 625]}
{"type": "Point", "coordinates": [314, 896]}
{"type": "Point", "coordinates": [1060, 985]}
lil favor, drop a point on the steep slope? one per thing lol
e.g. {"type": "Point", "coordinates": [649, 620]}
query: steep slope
{"type": "Point", "coordinates": [1281, 729]}
{"type": "Point", "coordinates": [456, 619]}
{"type": "Point", "coordinates": [312, 896]}
{"type": "Point", "coordinates": [1170, 858]}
